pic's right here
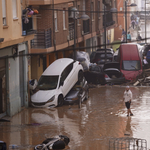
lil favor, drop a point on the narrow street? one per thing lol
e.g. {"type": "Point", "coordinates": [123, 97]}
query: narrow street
{"type": "Point", "coordinates": [102, 116]}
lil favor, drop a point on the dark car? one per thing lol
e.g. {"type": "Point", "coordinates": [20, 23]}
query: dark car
{"type": "Point", "coordinates": [78, 93]}
{"type": "Point", "coordinates": [99, 57]}
{"type": "Point", "coordinates": [95, 75]}
{"type": "Point", "coordinates": [113, 75]}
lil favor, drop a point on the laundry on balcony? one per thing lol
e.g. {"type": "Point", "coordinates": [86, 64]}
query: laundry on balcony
{"type": "Point", "coordinates": [28, 12]}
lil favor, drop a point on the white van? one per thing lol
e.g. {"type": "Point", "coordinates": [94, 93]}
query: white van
{"type": "Point", "coordinates": [56, 81]}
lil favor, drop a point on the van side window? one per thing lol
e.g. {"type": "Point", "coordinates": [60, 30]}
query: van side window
{"type": "Point", "coordinates": [66, 72]}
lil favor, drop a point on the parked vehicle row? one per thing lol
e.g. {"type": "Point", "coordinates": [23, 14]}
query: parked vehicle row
{"type": "Point", "coordinates": [65, 81]}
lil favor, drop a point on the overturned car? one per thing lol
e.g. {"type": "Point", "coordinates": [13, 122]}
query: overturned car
{"type": "Point", "coordinates": [113, 75]}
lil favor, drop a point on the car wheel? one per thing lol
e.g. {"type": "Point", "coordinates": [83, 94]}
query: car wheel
{"type": "Point", "coordinates": [80, 76]}
{"type": "Point", "coordinates": [87, 95]}
{"type": "Point", "coordinates": [60, 100]}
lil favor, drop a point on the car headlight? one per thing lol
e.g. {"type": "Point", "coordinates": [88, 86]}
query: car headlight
{"type": "Point", "coordinates": [51, 99]}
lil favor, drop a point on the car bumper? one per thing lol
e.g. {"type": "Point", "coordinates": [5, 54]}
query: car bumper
{"type": "Point", "coordinates": [43, 105]}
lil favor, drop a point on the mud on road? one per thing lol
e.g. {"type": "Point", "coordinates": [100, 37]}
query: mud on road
{"type": "Point", "coordinates": [102, 116]}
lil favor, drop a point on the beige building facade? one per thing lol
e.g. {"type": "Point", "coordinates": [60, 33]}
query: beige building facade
{"type": "Point", "coordinates": [14, 47]}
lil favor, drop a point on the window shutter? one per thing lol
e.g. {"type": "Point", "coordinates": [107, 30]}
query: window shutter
{"type": "Point", "coordinates": [14, 7]}
{"type": "Point", "coordinates": [4, 8]}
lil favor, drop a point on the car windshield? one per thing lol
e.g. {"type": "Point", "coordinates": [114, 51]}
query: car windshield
{"type": "Point", "coordinates": [131, 65]}
{"type": "Point", "coordinates": [48, 82]}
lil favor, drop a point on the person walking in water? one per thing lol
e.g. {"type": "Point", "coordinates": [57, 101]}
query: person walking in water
{"type": "Point", "coordinates": [127, 97]}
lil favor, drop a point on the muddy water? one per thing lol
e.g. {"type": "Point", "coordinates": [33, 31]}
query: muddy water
{"type": "Point", "coordinates": [102, 117]}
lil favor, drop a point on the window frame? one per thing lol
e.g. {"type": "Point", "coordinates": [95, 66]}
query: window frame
{"type": "Point", "coordinates": [92, 9]}
{"type": "Point", "coordinates": [64, 19]}
{"type": "Point", "coordinates": [14, 9]}
{"type": "Point", "coordinates": [4, 13]}
{"type": "Point", "coordinates": [56, 21]}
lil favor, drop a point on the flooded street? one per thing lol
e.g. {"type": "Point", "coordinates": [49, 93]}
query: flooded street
{"type": "Point", "coordinates": [102, 116]}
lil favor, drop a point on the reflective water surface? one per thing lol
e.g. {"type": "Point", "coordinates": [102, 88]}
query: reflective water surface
{"type": "Point", "coordinates": [102, 116]}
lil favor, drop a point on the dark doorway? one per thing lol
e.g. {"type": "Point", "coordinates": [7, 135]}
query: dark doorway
{"type": "Point", "coordinates": [21, 73]}
{"type": "Point", "coordinates": [3, 99]}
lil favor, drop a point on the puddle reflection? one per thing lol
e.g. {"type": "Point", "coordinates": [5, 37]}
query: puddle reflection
{"type": "Point", "coordinates": [101, 117]}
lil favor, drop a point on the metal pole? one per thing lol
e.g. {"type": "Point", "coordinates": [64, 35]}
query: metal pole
{"type": "Point", "coordinates": [126, 19]}
{"type": "Point", "coordinates": [105, 32]}
{"type": "Point", "coordinates": [74, 50]}
{"type": "Point", "coordinates": [145, 23]}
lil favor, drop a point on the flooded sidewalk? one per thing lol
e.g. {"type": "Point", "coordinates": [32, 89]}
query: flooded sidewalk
{"type": "Point", "coordinates": [102, 117]}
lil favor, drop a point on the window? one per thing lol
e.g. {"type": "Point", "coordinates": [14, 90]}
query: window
{"type": "Point", "coordinates": [92, 9]}
{"type": "Point", "coordinates": [64, 19]}
{"type": "Point", "coordinates": [132, 65]}
{"type": "Point", "coordinates": [47, 82]}
{"type": "Point", "coordinates": [55, 18]}
{"type": "Point", "coordinates": [14, 8]}
{"type": "Point", "coordinates": [4, 12]}
{"type": "Point", "coordinates": [66, 72]}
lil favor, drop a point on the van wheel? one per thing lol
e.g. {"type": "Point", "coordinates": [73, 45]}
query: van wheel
{"type": "Point", "coordinates": [80, 76]}
{"type": "Point", "coordinates": [60, 100]}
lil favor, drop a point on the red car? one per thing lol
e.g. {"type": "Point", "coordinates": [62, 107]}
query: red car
{"type": "Point", "coordinates": [130, 61]}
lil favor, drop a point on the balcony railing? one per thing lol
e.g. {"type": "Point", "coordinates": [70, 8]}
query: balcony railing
{"type": "Point", "coordinates": [27, 28]}
{"type": "Point", "coordinates": [86, 26]}
{"type": "Point", "coordinates": [108, 20]}
{"type": "Point", "coordinates": [42, 39]}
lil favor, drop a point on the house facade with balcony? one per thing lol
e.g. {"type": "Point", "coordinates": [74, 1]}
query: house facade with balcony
{"type": "Point", "coordinates": [61, 30]}
{"type": "Point", "coordinates": [13, 60]}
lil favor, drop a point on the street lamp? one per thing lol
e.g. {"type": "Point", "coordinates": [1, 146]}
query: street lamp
{"type": "Point", "coordinates": [75, 17]}
{"type": "Point", "coordinates": [131, 5]}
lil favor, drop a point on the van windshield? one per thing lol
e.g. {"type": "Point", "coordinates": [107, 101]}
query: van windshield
{"type": "Point", "coordinates": [47, 82]}
{"type": "Point", "coordinates": [131, 65]}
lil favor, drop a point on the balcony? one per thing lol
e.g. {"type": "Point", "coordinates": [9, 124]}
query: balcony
{"type": "Point", "coordinates": [86, 26]}
{"type": "Point", "coordinates": [39, 2]}
{"type": "Point", "coordinates": [27, 28]}
{"type": "Point", "coordinates": [42, 39]}
{"type": "Point", "coordinates": [109, 19]}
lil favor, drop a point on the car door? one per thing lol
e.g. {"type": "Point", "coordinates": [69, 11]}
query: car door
{"type": "Point", "coordinates": [66, 79]}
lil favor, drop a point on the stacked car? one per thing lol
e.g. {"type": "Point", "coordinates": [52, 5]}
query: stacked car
{"type": "Point", "coordinates": [56, 81]}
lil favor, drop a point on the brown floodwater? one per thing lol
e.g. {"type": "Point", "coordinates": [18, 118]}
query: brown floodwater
{"type": "Point", "coordinates": [101, 118]}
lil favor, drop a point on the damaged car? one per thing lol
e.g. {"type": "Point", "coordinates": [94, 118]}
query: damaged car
{"type": "Point", "coordinates": [101, 56]}
{"type": "Point", "coordinates": [95, 75]}
{"type": "Point", "coordinates": [78, 93]}
{"type": "Point", "coordinates": [113, 75]}
{"type": "Point", "coordinates": [56, 81]}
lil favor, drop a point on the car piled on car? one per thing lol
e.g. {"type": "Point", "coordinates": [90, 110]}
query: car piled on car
{"type": "Point", "coordinates": [56, 81]}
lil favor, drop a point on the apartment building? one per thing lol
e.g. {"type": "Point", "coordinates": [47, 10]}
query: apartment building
{"type": "Point", "coordinates": [14, 43]}
{"type": "Point", "coordinates": [67, 26]}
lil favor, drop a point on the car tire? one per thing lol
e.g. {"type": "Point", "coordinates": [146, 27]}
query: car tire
{"type": "Point", "coordinates": [80, 76]}
{"type": "Point", "coordinates": [60, 100]}
{"type": "Point", "coordinates": [87, 95]}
